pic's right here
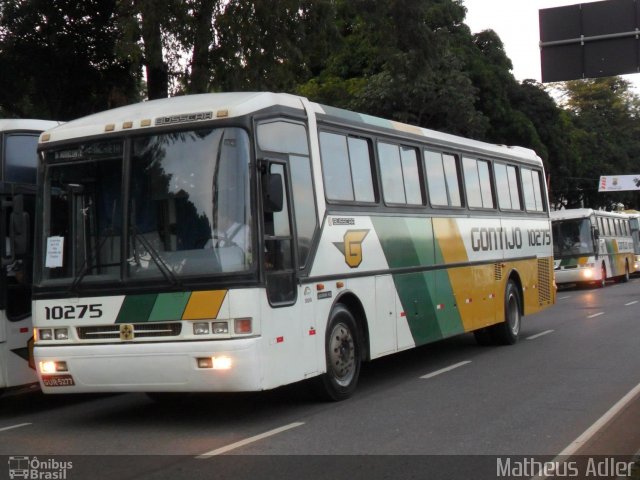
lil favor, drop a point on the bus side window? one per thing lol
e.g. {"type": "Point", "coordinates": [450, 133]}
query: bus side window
{"type": "Point", "coordinates": [400, 174]}
{"type": "Point", "coordinates": [531, 186]}
{"type": "Point", "coordinates": [477, 181]}
{"type": "Point", "coordinates": [443, 179]}
{"type": "Point", "coordinates": [346, 168]}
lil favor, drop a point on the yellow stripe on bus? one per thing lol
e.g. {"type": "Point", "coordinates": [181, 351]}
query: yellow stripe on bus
{"type": "Point", "coordinates": [204, 304]}
{"type": "Point", "coordinates": [450, 241]}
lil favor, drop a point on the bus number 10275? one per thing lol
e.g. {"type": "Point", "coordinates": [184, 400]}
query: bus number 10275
{"type": "Point", "coordinates": [72, 312]}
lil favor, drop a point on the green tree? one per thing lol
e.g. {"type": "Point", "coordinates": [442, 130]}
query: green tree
{"type": "Point", "coordinates": [398, 59]}
{"type": "Point", "coordinates": [270, 44]}
{"type": "Point", "coordinates": [606, 113]}
{"type": "Point", "coordinates": [58, 59]}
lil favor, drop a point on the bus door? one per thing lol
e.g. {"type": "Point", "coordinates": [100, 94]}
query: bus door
{"type": "Point", "coordinates": [291, 320]}
{"type": "Point", "coordinates": [17, 215]}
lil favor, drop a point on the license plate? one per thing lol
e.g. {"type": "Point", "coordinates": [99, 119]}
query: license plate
{"type": "Point", "coordinates": [58, 381]}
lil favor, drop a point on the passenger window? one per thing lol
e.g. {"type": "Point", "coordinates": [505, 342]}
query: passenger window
{"type": "Point", "coordinates": [346, 163]}
{"type": "Point", "coordinates": [531, 187]}
{"type": "Point", "coordinates": [436, 184]}
{"type": "Point", "coordinates": [391, 173]}
{"type": "Point", "coordinates": [502, 186]}
{"type": "Point", "coordinates": [452, 175]}
{"type": "Point", "coordinates": [360, 157]}
{"type": "Point", "coordinates": [21, 158]}
{"type": "Point", "coordinates": [514, 187]}
{"type": "Point", "coordinates": [477, 183]}
{"type": "Point", "coordinates": [507, 186]}
{"type": "Point", "coordinates": [443, 176]}
{"type": "Point", "coordinates": [399, 172]}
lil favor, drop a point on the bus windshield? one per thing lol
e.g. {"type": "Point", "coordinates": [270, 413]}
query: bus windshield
{"type": "Point", "coordinates": [572, 237]}
{"type": "Point", "coordinates": [186, 208]}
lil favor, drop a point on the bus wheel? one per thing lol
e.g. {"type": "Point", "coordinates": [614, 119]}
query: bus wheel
{"type": "Point", "coordinates": [625, 277]}
{"type": "Point", "coordinates": [603, 277]}
{"type": "Point", "coordinates": [342, 351]}
{"type": "Point", "coordinates": [507, 332]}
{"type": "Point", "coordinates": [484, 336]}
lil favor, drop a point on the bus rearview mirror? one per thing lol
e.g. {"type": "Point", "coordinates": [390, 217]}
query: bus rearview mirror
{"type": "Point", "coordinates": [272, 193]}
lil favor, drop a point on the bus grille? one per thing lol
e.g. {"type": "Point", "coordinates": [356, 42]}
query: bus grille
{"type": "Point", "coordinates": [497, 271]}
{"type": "Point", "coordinates": [140, 330]}
{"type": "Point", "coordinates": [545, 272]}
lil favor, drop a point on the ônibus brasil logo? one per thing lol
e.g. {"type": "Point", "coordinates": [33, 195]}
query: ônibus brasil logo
{"type": "Point", "coordinates": [33, 468]}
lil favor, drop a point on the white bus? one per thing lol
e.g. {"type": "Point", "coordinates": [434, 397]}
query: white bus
{"type": "Point", "coordinates": [592, 246]}
{"type": "Point", "coordinates": [243, 241]}
{"type": "Point", "coordinates": [634, 225]}
{"type": "Point", "coordinates": [19, 161]}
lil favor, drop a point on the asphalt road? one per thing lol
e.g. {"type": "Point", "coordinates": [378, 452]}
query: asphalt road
{"type": "Point", "coordinates": [447, 410]}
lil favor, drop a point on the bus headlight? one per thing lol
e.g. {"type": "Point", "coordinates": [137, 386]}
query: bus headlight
{"type": "Point", "coordinates": [220, 327]}
{"type": "Point", "coordinates": [587, 273]}
{"type": "Point", "coordinates": [45, 334]}
{"type": "Point", "coordinates": [61, 334]}
{"type": "Point", "coordinates": [201, 328]}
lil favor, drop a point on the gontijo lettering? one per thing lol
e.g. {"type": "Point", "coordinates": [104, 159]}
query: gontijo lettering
{"type": "Point", "coordinates": [489, 238]}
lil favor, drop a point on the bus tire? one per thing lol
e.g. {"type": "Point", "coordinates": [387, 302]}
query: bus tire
{"type": "Point", "coordinates": [343, 356]}
{"type": "Point", "coordinates": [625, 277]}
{"type": "Point", "coordinates": [603, 277]}
{"type": "Point", "coordinates": [507, 332]}
{"type": "Point", "coordinates": [484, 336]}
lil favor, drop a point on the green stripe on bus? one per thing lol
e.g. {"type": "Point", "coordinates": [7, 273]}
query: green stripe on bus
{"type": "Point", "coordinates": [409, 242]}
{"type": "Point", "coordinates": [169, 306]}
{"type": "Point", "coordinates": [136, 308]}
{"type": "Point", "coordinates": [569, 262]}
{"type": "Point", "coordinates": [448, 316]}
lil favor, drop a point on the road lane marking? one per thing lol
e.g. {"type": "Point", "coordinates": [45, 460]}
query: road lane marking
{"type": "Point", "coordinates": [247, 441]}
{"type": "Point", "coordinates": [590, 432]}
{"type": "Point", "coordinates": [596, 315]}
{"type": "Point", "coordinates": [631, 303]}
{"type": "Point", "coordinates": [564, 298]}
{"type": "Point", "coordinates": [546, 332]}
{"type": "Point", "coordinates": [4, 429]}
{"type": "Point", "coordinates": [445, 370]}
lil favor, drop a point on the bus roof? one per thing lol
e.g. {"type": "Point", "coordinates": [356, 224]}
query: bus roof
{"type": "Point", "coordinates": [193, 109]}
{"type": "Point", "coordinates": [11, 124]}
{"type": "Point", "coordinates": [583, 213]}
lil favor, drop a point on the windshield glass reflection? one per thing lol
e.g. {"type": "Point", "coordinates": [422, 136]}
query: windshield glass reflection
{"type": "Point", "coordinates": [188, 209]}
{"type": "Point", "coordinates": [572, 237]}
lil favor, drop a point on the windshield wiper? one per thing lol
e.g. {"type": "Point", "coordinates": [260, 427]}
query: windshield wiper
{"type": "Point", "coordinates": [92, 261]}
{"type": "Point", "coordinates": [166, 270]}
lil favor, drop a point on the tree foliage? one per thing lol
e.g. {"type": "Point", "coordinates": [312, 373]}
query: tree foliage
{"type": "Point", "coordinates": [57, 59]}
{"type": "Point", "coordinates": [413, 61]}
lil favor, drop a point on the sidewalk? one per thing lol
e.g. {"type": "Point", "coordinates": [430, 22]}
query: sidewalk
{"type": "Point", "coordinates": [620, 437]}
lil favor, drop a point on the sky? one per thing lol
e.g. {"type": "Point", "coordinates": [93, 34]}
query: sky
{"type": "Point", "coordinates": [516, 23]}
